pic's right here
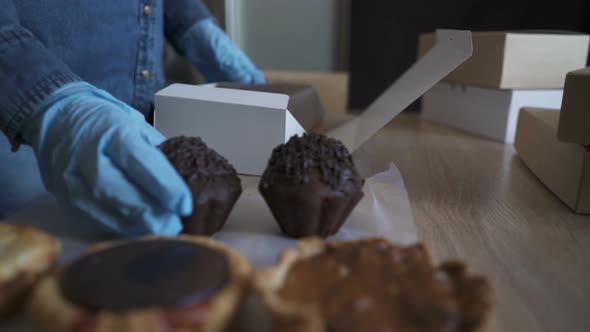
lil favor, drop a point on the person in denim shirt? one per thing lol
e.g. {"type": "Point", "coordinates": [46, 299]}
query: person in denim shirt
{"type": "Point", "coordinates": [77, 80]}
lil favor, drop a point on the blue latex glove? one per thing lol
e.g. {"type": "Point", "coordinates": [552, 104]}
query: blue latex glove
{"type": "Point", "coordinates": [98, 157]}
{"type": "Point", "coordinates": [218, 57]}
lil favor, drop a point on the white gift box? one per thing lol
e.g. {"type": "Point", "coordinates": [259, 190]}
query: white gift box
{"type": "Point", "coordinates": [485, 112]}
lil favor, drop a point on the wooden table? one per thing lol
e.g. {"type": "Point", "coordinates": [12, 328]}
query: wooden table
{"type": "Point", "coordinates": [474, 200]}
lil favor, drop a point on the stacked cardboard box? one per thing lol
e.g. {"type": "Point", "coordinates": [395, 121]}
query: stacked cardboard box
{"type": "Point", "coordinates": [555, 145]}
{"type": "Point", "coordinates": [574, 121]}
{"type": "Point", "coordinates": [508, 70]}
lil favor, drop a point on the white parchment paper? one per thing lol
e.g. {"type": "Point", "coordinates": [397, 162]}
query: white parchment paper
{"type": "Point", "coordinates": [251, 229]}
{"type": "Point", "coordinates": [383, 211]}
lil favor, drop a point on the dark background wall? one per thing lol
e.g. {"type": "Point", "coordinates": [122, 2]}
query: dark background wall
{"type": "Point", "coordinates": [384, 33]}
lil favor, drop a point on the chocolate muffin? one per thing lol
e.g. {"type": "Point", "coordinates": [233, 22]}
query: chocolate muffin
{"type": "Point", "coordinates": [213, 181]}
{"type": "Point", "coordinates": [311, 185]}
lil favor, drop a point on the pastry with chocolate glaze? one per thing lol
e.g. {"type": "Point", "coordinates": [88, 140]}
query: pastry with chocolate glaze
{"type": "Point", "coordinates": [371, 285]}
{"type": "Point", "coordinates": [311, 185]}
{"type": "Point", "coordinates": [154, 284]}
{"type": "Point", "coordinates": [212, 180]}
{"type": "Point", "coordinates": [26, 255]}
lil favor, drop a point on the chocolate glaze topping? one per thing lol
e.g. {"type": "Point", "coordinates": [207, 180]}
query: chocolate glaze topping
{"type": "Point", "coordinates": [301, 157]}
{"type": "Point", "coordinates": [145, 274]}
{"type": "Point", "coordinates": [194, 160]}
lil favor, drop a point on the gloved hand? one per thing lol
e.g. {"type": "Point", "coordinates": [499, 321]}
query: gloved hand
{"type": "Point", "coordinates": [218, 57]}
{"type": "Point", "coordinates": [98, 156]}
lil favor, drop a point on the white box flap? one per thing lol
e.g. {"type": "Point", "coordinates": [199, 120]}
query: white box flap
{"type": "Point", "coordinates": [452, 48]}
{"type": "Point", "coordinates": [245, 126]}
{"type": "Point", "coordinates": [292, 127]}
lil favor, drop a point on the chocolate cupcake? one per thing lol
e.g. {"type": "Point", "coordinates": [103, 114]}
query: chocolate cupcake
{"type": "Point", "coordinates": [311, 185]}
{"type": "Point", "coordinates": [212, 179]}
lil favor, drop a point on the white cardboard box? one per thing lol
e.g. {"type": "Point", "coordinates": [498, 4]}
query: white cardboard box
{"type": "Point", "coordinates": [245, 126]}
{"type": "Point", "coordinates": [485, 112]}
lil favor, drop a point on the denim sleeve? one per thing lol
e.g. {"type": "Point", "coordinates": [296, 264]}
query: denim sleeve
{"type": "Point", "coordinates": [180, 16]}
{"type": "Point", "coordinates": [29, 73]}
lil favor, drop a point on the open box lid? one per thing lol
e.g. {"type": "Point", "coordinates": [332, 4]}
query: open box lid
{"type": "Point", "coordinates": [245, 126]}
{"type": "Point", "coordinates": [452, 48]}
{"type": "Point", "coordinates": [226, 96]}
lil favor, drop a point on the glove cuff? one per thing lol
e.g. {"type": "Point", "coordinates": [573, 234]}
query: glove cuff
{"type": "Point", "coordinates": [57, 101]}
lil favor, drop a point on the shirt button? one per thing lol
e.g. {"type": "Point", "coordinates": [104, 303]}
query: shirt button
{"type": "Point", "coordinates": [147, 10]}
{"type": "Point", "coordinates": [146, 74]}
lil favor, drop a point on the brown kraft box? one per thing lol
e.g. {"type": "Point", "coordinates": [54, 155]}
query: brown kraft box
{"type": "Point", "coordinates": [574, 122]}
{"type": "Point", "coordinates": [563, 167]}
{"type": "Point", "coordinates": [518, 60]}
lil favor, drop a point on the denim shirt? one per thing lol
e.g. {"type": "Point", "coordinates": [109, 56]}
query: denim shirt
{"type": "Point", "coordinates": [115, 45]}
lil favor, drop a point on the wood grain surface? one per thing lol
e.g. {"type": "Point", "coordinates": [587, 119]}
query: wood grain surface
{"type": "Point", "coordinates": [474, 200]}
